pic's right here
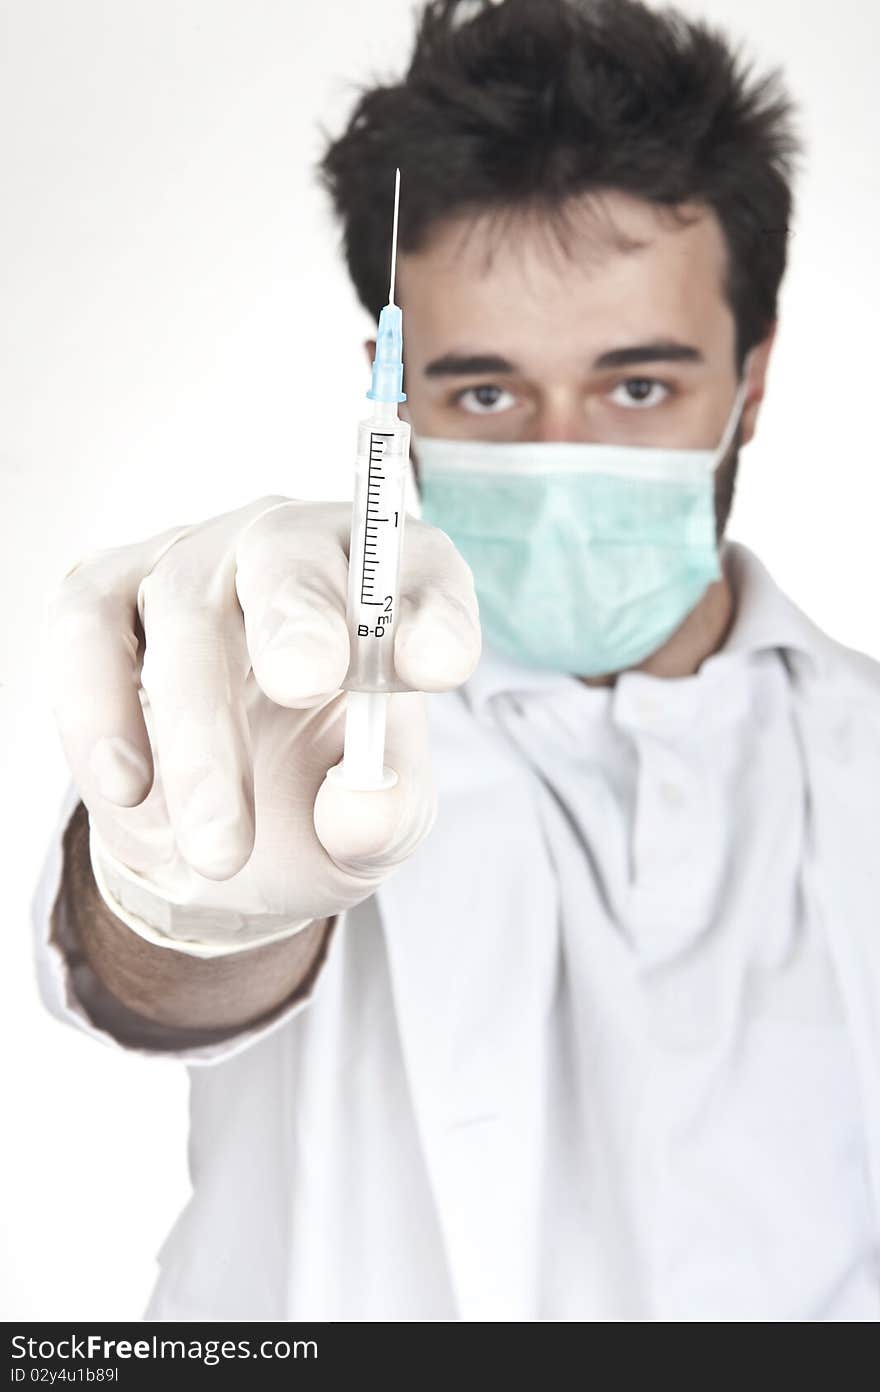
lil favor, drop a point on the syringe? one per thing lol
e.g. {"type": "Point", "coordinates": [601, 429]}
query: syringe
{"type": "Point", "coordinates": [377, 521]}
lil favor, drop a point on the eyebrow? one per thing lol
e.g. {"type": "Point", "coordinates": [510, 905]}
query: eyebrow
{"type": "Point", "coordinates": [478, 364]}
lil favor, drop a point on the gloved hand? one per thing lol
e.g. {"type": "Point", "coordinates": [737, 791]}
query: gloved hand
{"type": "Point", "coordinates": [211, 656]}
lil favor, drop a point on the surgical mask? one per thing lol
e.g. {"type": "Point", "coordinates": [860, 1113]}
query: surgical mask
{"type": "Point", "coordinates": [586, 557]}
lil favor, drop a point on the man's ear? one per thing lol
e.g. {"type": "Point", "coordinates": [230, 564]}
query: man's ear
{"type": "Point", "coordinates": [757, 375]}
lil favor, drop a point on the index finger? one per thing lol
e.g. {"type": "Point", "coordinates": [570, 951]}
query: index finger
{"type": "Point", "coordinates": [291, 578]}
{"type": "Point", "coordinates": [91, 658]}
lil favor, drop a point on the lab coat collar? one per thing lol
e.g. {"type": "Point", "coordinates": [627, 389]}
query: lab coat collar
{"type": "Point", "coordinates": [765, 617]}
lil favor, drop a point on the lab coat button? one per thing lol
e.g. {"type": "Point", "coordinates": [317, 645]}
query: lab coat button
{"type": "Point", "coordinates": [841, 737]}
{"type": "Point", "coordinates": [462, 1123]}
{"type": "Point", "coordinates": [671, 793]}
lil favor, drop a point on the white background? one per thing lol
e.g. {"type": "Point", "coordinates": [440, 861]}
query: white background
{"type": "Point", "coordinates": [174, 312]}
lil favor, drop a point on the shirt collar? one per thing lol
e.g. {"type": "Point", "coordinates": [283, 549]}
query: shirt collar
{"type": "Point", "coordinates": [764, 618]}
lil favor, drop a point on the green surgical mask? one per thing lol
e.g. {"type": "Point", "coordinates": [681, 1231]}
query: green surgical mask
{"type": "Point", "coordinates": [586, 557]}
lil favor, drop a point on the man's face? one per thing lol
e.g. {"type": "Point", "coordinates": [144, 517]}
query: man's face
{"type": "Point", "coordinates": [509, 337]}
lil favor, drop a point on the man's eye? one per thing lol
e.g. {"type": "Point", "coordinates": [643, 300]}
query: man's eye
{"type": "Point", "coordinates": [484, 401]}
{"type": "Point", "coordinates": [639, 392]}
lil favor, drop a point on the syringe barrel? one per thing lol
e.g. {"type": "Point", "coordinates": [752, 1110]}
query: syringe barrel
{"type": "Point", "coordinates": [375, 549]}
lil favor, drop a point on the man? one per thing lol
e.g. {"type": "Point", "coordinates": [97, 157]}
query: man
{"type": "Point", "coordinates": [603, 1045]}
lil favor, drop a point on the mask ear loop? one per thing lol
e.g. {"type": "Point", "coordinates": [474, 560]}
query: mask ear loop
{"type": "Point", "coordinates": [735, 412]}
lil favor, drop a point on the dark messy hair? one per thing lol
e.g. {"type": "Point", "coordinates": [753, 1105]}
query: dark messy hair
{"type": "Point", "coordinates": [523, 104]}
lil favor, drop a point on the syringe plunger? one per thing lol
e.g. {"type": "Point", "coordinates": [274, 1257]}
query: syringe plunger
{"type": "Point", "coordinates": [363, 765]}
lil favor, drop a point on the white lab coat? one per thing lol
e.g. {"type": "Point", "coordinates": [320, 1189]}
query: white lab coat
{"type": "Point", "coordinates": [463, 1010]}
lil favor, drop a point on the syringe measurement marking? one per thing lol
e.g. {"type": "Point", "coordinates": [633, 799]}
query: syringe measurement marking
{"type": "Point", "coordinates": [374, 492]}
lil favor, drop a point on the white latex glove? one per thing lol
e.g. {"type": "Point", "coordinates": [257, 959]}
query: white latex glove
{"type": "Point", "coordinates": [212, 657]}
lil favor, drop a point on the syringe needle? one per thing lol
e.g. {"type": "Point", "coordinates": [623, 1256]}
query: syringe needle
{"type": "Point", "coordinates": [394, 235]}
